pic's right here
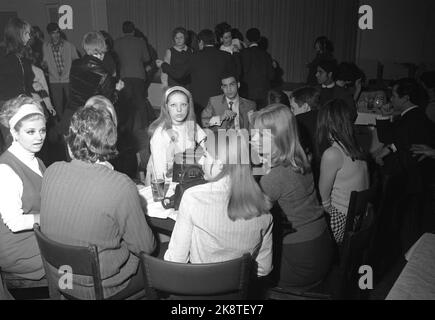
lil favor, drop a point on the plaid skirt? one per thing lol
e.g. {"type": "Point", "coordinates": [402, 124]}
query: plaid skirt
{"type": "Point", "coordinates": [337, 223]}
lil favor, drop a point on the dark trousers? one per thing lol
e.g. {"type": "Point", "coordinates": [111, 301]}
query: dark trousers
{"type": "Point", "coordinates": [59, 97]}
{"type": "Point", "coordinates": [303, 264]}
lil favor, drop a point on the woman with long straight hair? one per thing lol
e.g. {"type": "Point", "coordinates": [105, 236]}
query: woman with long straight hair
{"type": "Point", "coordinates": [174, 131]}
{"type": "Point", "coordinates": [343, 168]}
{"type": "Point", "coordinates": [227, 217]}
{"type": "Point", "coordinates": [302, 235]}
{"type": "Point", "coordinates": [16, 75]}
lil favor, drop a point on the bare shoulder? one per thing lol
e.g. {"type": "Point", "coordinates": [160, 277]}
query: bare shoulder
{"type": "Point", "coordinates": [332, 156]}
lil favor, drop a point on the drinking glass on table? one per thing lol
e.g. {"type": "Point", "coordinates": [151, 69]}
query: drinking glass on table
{"type": "Point", "coordinates": [370, 103]}
{"type": "Point", "coordinates": [158, 186]}
{"type": "Point", "coordinates": [378, 101]}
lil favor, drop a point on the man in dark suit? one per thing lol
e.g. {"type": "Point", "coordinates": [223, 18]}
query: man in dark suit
{"type": "Point", "coordinates": [228, 110]}
{"type": "Point", "coordinates": [205, 68]}
{"type": "Point", "coordinates": [414, 179]}
{"type": "Point", "coordinates": [257, 69]}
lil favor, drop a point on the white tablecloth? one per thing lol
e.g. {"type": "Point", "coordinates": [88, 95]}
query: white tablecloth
{"type": "Point", "coordinates": [417, 279]}
{"type": "Point", "coordinates": [155, 209]}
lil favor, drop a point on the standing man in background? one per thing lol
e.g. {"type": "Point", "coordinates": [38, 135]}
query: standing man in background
{"type": "Point", "coordinates": [257, 70]}
{"type": "Point", "coordinates": [133, 54]}
{"type": "Point", "coordinates": [58, 55]}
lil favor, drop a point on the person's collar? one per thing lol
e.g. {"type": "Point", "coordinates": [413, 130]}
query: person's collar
{"type": "Point", "coordinates": [407, 110]}
{"type": "Point", "coordinates": [254, 44]}
{"type": "Point", "coordinates": [235, 100]}
{"type": "Point", "coordinates": [60, 43]}
{"type": "Point", "coordinates": [329, 86]}
{"type": "Point", "coordinates": [179, 50]}
{"type": "Point", "coordinates": [17, 149]}
{"type": "Point", "coordinates": [105, 163]}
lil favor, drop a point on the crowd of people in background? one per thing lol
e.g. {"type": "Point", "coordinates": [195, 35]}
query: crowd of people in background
{"type": "Point", "coordinates": [101, 130]}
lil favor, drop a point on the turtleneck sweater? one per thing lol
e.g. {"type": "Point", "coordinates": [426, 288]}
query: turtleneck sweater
{"type": "Point", "coordinates": [11, 190]}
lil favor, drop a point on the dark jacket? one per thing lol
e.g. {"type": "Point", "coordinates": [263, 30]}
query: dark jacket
{"type": "Point", "coordinates": [88, 78]}
{"type": "Point", "coordinates": [257, 73]}
{"type": "Point", "coordinates": [412, 128]}
{"type": "Point", "coordinates": [15, 78]}
{"type": "Point", "coordinates": [205, 68]}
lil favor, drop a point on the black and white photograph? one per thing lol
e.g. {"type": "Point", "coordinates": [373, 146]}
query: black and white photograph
{"type": "Point", "coordinates": [262, 151]}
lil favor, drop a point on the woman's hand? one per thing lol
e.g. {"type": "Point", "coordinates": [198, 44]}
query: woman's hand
{"type": "Point", "coordinates": [159, 63]}
{"type": "Point", "coordinates": [423, 151]}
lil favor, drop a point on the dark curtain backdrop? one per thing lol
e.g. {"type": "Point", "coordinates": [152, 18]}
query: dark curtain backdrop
{"type": "Point", "coordinates": [290, 25]}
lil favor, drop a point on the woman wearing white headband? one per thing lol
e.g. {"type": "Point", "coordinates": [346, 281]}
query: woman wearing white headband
{"type": "Point", "coordinates": [20, 185]}
{"type": "Point", "coordinates": [174, 131]}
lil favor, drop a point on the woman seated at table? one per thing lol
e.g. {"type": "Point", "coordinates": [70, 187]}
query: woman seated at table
{"type": "Point", "coordinates": [86, 202]}
{"type": "Point", "coordinates": [306, 252]}
{"type": "Point", "coordinates": [20, 184]}
{"type": "Point", "coordinates": [227, 217]}
{"type": "Point", "coordinates": [174, 131]}
{"type": "Point", "coordinates": [343, 168]}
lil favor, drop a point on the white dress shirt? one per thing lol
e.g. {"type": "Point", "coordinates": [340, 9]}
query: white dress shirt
{"type": "Point", "coordinates": [204, 233]}
{"type": "Point", "coordinates": [11, 191]}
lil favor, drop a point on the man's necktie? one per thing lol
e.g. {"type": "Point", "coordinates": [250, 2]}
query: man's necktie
{"type": "Point", "coordinates": [231, 105]}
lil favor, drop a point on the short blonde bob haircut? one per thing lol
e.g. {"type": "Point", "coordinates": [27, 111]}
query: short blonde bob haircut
{"type": "Point", "coordinates": [94, 43]}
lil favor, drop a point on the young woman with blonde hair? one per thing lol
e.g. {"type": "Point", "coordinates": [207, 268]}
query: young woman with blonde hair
{"type": "Point", "coordinates": [307, 247]}
{"type": "Point", "coordinates": [227, 217]}
{"type": "Point", "coordinates": [174, 131]}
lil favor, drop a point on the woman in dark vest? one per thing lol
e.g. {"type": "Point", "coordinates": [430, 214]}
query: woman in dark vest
{"type": "Point", "coordinates": [177, 55]}
{"type": "Point", "coordinates": [20, 184]}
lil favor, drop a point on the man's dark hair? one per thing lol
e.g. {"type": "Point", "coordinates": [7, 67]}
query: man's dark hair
{"type": "Point", "coordinates": [326, 45]}
{"type": "Point", "coordinates": [52, 26]}
{"type": "Point", "coordinates": [410, 87]}
{"type": "Point", "coordinates": [236, 34]}
{"type": "Point", "coordinates": [207, 37]}
{"type": "Point", "coordinates": [329, 65]}
{"type": "Point", "coordinates": [221, 29]}
{"type": "Point", "coordinates": [229, 74]}
{"type": "Point", "coordinates": [309, 95]}
{"type": "Point", "coordinates": [128, 27]}
{"type": "Point", "coordinates": [253, 35]}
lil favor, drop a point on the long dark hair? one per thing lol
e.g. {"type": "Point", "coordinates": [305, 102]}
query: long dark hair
{"type": "Point", "coordinates": [334, 124]}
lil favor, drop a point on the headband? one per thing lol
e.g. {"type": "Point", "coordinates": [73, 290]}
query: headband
{"type": "Point", "coordinates": [177, 88]}
{"type": "Point", "coordinates": [23, 111]}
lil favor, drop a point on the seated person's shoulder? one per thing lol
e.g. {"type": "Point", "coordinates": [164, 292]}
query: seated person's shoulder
{"type": "Point", "coordinates": [249, 103]}
{"type": "Point", "coordinates": [216, 99]}
{"type": "Point", "coordinates": [332, 155]}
